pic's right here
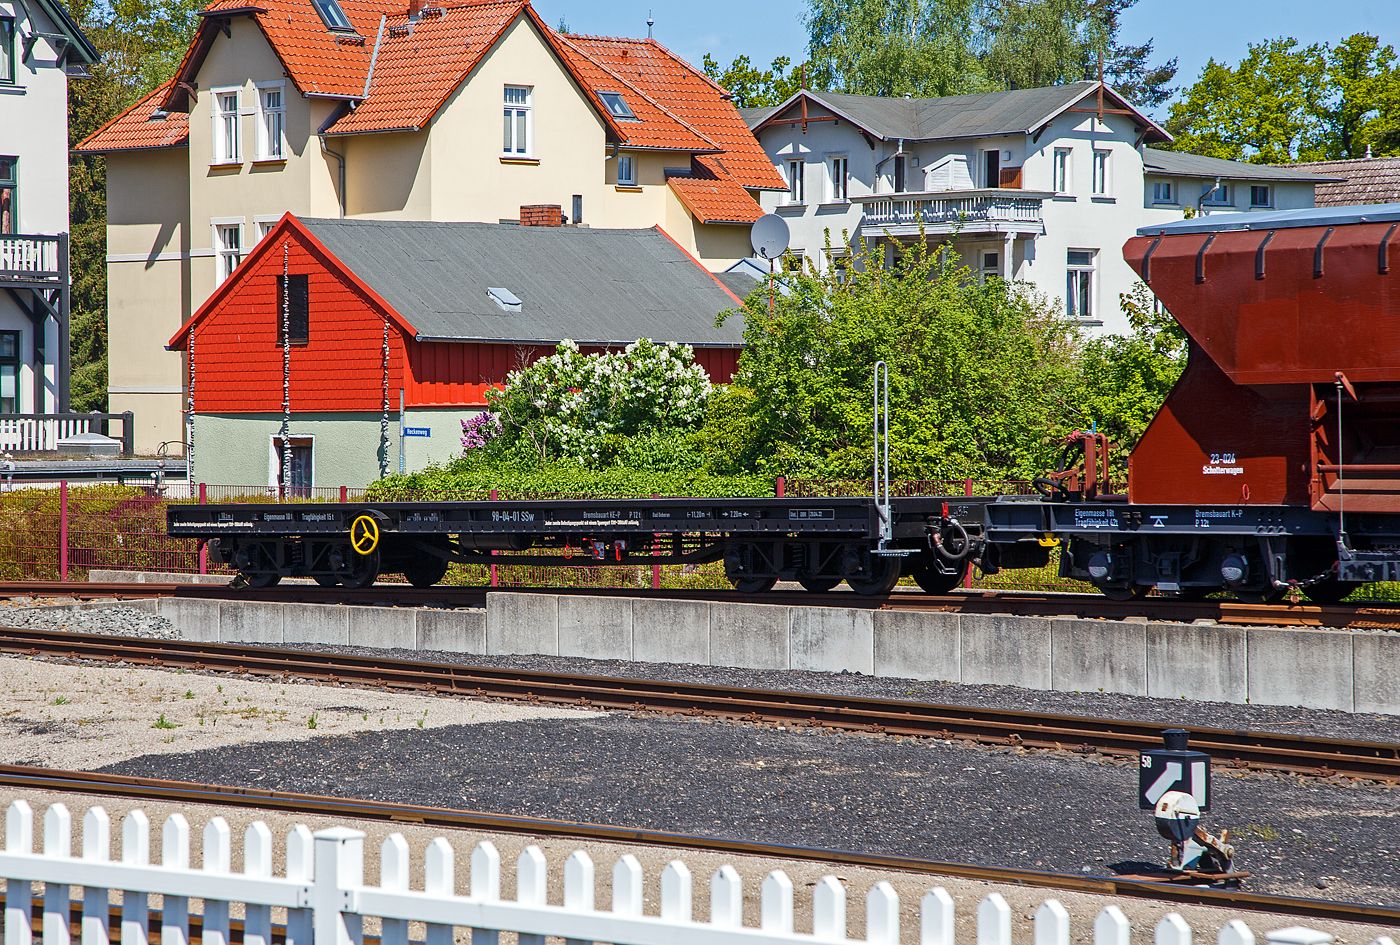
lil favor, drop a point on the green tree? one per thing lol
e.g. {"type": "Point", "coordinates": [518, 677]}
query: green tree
{"type": "Point", "coordinates": [141, 43]}
{"type": "Point", "coordinates": [1287, 102]}
{"type": "Point", "coordinates": [1362, 105]}
{"type": "Point", "coordinates": [978, 375]}
{"type": "Point", "coordinates": [752, 88]}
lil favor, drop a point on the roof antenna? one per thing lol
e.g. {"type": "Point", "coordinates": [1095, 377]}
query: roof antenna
{"type": "Point", "coordinates": [650, 21]}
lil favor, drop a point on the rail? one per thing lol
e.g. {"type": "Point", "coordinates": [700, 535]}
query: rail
{"type": "Point", "coordinates": [1263, 751]}
{"type": "Point", "coordinates": [40, 432]}
{"type": "Point", "coordinates": [31, 258]}
{"type": "Point", "coordinates": [140, 878]}
{"type": "Point", "coordinates": [992, 207]}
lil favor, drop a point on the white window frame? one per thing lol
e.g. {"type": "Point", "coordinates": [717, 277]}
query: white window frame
{"type": "Point", "coordinates": [839, 178]}
{"type": "Point", "coordinates": [263, 224]}
{"type": "Point", "coordinates": [994, 269]}
{"type": "Point", "coordinates": [1222, 196]}
{"type": "Point", "coordinates": [268, 150]}
{"type": "Point", "coordinates": [1268, 196]}
{"type": "Point", "coordinates": [224, 151]}
{"type": "Point", "coordinates": [987, 183]}
{"type": "Point", "coordinates": [1101, 172]}
{"type": "Point", "coordinates": [227, 259]}
{"type": "Point", "coordinates": [1061, 170]}
{"type": "Point", "coordinates": [1162, 191]}
{"type": "Point", "coordinates": [274, 460]}
{"type": "Point", "coordinates": [797, 172]}
{"type": "Point", "coordinates": [626, 171]}
{"type": "Point", "coordinates": [512, 112]}
{"type": "Point", "coordinates": [1074, 274]}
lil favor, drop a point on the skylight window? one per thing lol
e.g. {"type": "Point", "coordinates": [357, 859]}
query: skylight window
{"type": "Point", "coordinates": [617, 106]}
{"type": "Point", "coordinates": [504, 298]}
{"type": "Point", "coordinates": [332, 15]}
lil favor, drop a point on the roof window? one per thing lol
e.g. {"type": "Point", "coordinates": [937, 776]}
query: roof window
{"type": "Point", "coordinates": [617, 106]}
{"type": "Point", "coordinates": [332, 15]}
{"type": "Point", "coordinates": [504, 298]}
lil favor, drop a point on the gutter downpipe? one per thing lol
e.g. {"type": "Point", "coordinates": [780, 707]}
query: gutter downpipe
{"type": "Point", "coordinates": [321, 135]}
{"type": "Point", "coordinates": [1201, 202]}
{"type": "Point", "coordinates": [340, 159]}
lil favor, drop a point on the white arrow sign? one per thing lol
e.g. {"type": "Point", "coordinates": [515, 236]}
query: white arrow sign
{"type": "Point", "coordinates": [1164, 782]}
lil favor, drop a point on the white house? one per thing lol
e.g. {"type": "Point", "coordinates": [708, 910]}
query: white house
{"type": "Point", "coordinates": [41, 48]}
{"type": "Point", "coordinates": [1041, 185]}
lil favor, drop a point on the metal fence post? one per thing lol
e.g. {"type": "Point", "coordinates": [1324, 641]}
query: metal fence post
{"type": "Point", "coordinates": [128, 433]}
{"type": "Point", "coordinates": [63, 530]}
{"type": "Point", "coordinates": [967, 574]}
{"type": "Point", "coordinates": [344, 495]}
{"type": "Point", "coordinates": [203, 546]}
{"type": "Point", "coordinates": [780, 487]}
{"type": "Point", "coordinates": [495, 580]}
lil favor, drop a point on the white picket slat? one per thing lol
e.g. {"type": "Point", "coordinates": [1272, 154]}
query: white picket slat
{"type": "Point", "coordinates": [326, 898]}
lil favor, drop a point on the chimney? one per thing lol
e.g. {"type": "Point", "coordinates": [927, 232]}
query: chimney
{"type": "Point", "coordinates": [542, 214]}
{"type": "Point", "coordinates": [415, 10]}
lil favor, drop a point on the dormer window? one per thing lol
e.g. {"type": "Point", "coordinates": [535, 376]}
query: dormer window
{"type": "Point", "coordinates": [333, 16]}
{"type": "Point", "coordinates": [618, 106]}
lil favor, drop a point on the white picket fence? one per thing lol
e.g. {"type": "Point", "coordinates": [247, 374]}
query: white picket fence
{"type": "Point", "coordinates": [326, 899]}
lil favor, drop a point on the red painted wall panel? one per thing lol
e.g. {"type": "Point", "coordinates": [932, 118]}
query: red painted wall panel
{"type": "Point", "coordinates": [238, 362]}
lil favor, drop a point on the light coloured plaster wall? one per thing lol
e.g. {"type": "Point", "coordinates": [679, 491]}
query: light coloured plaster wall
{"type": "Point", "coordinates": [233, 449]}
{"type": "Point", "coordinates": [249, 189]}
{"type": "Point", "coordinates": [34, 124]}
{"type": "Point", "coordinates": [148, 267]}
{"type": "Point", "coordinates": [640, 207]}
{"type": "Point", "coordinates": [470, 181]}
{"type": "Point", "coordinates": [388, 176]}
{"type": "Point", "coordinates": [719, 245]}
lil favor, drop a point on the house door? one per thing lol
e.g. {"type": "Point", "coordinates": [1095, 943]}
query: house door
{"type": "Point", "coordinates": [302, 467]}
{"type": "Point", "coordinates": [991, 168]}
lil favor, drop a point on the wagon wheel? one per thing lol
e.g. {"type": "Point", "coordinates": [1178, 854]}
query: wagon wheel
{"type": "Point", "coordinates": [263, 579]}
{"type": "Point", "coordinates": [884, 575]}
{"type": "Point", "coordinates": [933, 581]}
{"type": "Point", "coordinates": [754, 585]}
{"type": "Point", "coordinates": [1265, 595]}
{"type": "Point", "coordinates": [427, 571]}
{"type": "Point", "coordinates": [1131, 592]}
{"type": "Point", "coordinates": [363, 570]}
{"type": "Point", "coordinates": [818, 585]}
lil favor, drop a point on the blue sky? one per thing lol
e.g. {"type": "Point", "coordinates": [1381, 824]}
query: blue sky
{"type": "Point", "coordinates": [1191, 30]}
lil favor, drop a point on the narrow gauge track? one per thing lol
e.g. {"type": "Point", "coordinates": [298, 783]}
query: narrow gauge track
{"type": "Point", "coordinates": [1368, 615]}
{"type": "Point", "coordinates": [1253, 750]}
{"type": "Point", "coordinates": [48, 779]}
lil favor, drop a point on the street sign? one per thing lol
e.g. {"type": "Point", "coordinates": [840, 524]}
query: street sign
{"type": "Point", "coordinates": [1163, 770]}
{"type": "Point", "coordinates": [418, 431]}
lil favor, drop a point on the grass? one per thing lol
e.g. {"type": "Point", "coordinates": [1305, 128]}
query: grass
{"type": "Point", "coordinates": [61, 700]}
{"type": "Point", "coordinates": [311, 722]}
{"type": "Point", "coordinates": [163, 722]}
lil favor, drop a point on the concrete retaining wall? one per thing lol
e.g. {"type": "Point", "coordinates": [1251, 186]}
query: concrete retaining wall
{"type": "Point", "coordinates": [1324, 669]}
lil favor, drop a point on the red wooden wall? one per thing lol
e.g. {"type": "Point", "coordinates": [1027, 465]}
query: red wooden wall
{"type": "Point", "coordinates": [238, 362]}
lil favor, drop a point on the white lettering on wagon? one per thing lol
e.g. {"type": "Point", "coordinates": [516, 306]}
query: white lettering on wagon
{"type": "Point", "coordinates": [1095, 518]}
{"type": "Point", "coordinates": [512, 515]}
{"type": "Point", "coordinates": [1204, 516]}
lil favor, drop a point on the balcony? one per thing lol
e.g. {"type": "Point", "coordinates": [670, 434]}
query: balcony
{"type": "Point", "coordinates": [32, 259]}
{"type": "Point", "coordinates": [964, 212]}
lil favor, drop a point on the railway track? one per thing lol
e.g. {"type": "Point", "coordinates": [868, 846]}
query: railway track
{"type": "Point", "coordinates": [47, 779]}
{"type": "Point", "coordinates": [1368, 615]}
{"type": "Point", "coordinates": [1260, 751]}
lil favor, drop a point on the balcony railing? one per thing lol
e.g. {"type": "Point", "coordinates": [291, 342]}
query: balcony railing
{"type": "Point", "coordinates": [30, 258]}
{"type": "Point", "coordinates": [40, 432]}
{"type": "Point", "coordinates": [979, 210]}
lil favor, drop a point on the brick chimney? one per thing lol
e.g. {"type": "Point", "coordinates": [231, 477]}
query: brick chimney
{"type": "Point", "coordinates": [415, 10]}
{"type": "Point", "coordinates": [542, 214]}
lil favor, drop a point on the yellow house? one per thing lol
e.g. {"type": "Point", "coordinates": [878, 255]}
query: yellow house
{"type": "Point", "coordinates": [474, 111]}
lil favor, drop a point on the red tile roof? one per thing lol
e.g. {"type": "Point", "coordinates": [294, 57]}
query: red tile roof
{"type": "Point", "coordinates": [655, 127]}
{"type": "Point", "coordinates": [692, 98]}
{"type": "Point", "coordinates": [716, 199]}
{"type": "Point", "coordinates": [136, 130]}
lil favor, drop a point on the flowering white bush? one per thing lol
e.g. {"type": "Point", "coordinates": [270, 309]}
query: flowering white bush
{"type": "Point", "coordinates": [569, 404]}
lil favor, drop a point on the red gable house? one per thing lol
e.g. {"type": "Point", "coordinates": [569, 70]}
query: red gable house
{"type": "Point", "coordinates": [427, 315]}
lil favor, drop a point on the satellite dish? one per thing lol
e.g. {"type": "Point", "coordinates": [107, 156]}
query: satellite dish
{"type": "Point", "coordinates": [769, 236]}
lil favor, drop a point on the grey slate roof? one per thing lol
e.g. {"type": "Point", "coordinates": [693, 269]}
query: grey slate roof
{"type": "Point", "coordinates": [1363, 180]}
{"type": "Point", "coordinates": [1181, 164]}
{"type": "Point", "coordinates": [753, 116]}
{"type": "Point", "coordinates": [1019, 111]}
{"type": "Point", "coordinates": [589, 285]}
{"type": "Point", "coordinates": [740, 283]}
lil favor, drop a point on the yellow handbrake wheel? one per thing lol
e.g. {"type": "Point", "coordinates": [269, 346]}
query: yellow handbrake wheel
{"type": "Point", "coordinates": [364, 534]}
